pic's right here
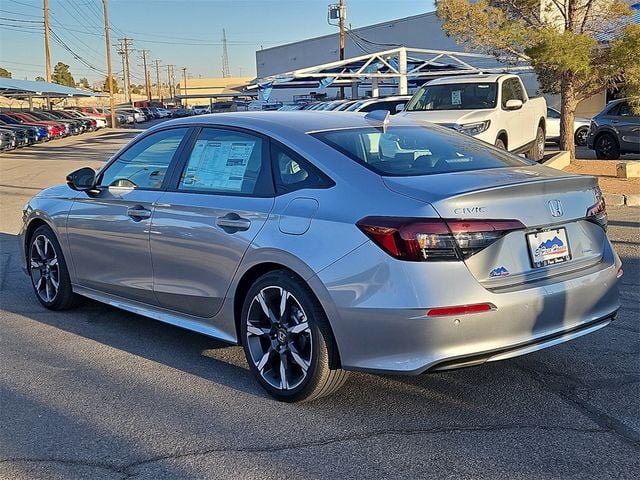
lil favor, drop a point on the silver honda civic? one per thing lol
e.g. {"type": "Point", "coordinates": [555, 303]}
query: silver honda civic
{"type": "Point", "coordinates": [325, 243]}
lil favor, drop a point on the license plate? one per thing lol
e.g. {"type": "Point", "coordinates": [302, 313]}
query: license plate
{"type": "Point", "coordinates": [548, 247]}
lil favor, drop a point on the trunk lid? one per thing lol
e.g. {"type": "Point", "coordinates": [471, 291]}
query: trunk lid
{"type": "Point", "coordinates": [548, 203]}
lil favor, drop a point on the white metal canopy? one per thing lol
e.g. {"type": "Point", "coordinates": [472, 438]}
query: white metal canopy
{"type": "Point", "coordinates": [399, 66]}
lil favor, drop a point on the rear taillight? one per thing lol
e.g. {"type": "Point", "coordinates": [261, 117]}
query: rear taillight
{"type": "Point", "coordinates": [420, 240]}
{"type": "Point", "coordinates": [597, 213]}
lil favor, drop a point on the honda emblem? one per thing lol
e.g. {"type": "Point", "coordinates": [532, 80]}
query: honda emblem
{"type": "Point", "coordinates": [555, 206]}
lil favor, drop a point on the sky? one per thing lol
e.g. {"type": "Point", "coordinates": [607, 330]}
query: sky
{"type": "Point", "coordinates": [184, 33]}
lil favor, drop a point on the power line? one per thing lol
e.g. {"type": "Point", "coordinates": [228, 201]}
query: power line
{"type": "Point", "coordinates": [25, 4]}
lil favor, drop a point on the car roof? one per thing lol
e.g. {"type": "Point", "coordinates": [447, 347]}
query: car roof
{"type": "Point", "coordinates": [489, 78]}
{"type": "Point", "coordinates": [274, 121]}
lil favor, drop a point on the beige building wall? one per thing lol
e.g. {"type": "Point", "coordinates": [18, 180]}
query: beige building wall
{"type": "Point", "coordinates": [209, 86]}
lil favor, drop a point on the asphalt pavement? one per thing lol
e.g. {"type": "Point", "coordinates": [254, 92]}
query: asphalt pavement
{"type": "Point", "coordinates": [98, 393]}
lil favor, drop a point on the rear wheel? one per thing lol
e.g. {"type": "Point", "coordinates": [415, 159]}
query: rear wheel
{"type": "Point", "coordinates": [580, 137]}
{"type": "Point", "coordinates": [537, 150]}
{"type": "Point", "coordinates": [606, 147]}
{"type": "Point", "coordinates": [48, 271]}
{"type": "Point", "coordinates": [287, 339]}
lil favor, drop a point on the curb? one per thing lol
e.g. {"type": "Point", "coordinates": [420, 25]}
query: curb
{"type": "Point", "coordinates": [559, 161]}
{"type": "Point", "coordinates": [620, 200]}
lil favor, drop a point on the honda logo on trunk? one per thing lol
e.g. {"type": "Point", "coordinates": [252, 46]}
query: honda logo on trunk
{"type": "Point", "coordinates": [556, 208]}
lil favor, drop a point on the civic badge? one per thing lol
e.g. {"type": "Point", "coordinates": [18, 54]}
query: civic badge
{"type": "Point", "coordinates": [555, 206]}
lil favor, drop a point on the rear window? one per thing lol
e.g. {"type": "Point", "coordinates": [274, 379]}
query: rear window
{"type": "Point", "coordinates": [415, 150]}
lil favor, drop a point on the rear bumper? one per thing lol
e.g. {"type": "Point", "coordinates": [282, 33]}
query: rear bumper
{"type": "Point", "coordinates": [397, 339]}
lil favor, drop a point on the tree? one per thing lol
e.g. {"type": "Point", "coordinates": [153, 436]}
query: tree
{"type": "Point", "coordinates": [5, 73]}
{"type": "Point", "coordinates": [571, 44]}
{"type": "Point", "coordinates": [40, 79]}
{"type": "Point", "coordinates": [62, 75]}
{"type": "Point", "coordinates": [114, 83]}
{"type": "Point", "coordinates": [83, 83]}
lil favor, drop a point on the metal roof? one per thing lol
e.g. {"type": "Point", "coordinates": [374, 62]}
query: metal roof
{"type": "Point", "coordinates": [12, 87]}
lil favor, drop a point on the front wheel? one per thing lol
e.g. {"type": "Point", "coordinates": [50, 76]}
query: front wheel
{"type": "Point", "coordinates": [580, 137]}
{"type": "Point", "coordinates": [48, 271]}
{"type": "Point", "coordinates": [537, 150]}
{"type": "Point", "coordinates": [287, 339]}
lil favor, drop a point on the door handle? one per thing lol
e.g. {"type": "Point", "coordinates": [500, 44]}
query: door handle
{"type": "Point", "coordinates": [232, 222]}
{"type": "Point", "coordinates": [138, 212]}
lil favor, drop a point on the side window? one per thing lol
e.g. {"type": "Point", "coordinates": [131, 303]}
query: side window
{"type": "Point", "coordinates": [227, 162]}
{"type": "Point", "coordinates": [552, 113]}
{"type": "Point", "coordinates": [625, 110]}
{"type": "Point", "coordinates": [511, 90]}
{"type": "Point", "coordinates": [292, 172]}
{"type": "Point", "coordinates": [145, 163]}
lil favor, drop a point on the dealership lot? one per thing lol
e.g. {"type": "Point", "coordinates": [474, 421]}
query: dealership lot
{"type": "Point", "coordinates": [101, 393]}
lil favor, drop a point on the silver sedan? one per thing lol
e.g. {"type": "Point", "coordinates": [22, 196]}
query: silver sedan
{"type": "Point", "coordinates": [326, 243]}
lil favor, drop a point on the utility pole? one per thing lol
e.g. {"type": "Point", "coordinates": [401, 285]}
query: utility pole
{"type": "Point", "coordinates": [184, 76]}
{"type": "Point", "coordinates": [109, 72]}
{"type": "Point", "coordinates": [47, 52]}
{"type": "Point", "coordinates": [169, 80]}
{"type": "Point", "coordinates": [343, 12]}
{"type": "Point", "coordinates": [158, 85]}
{"type": "Point", "coordinates": [127, 72]}
{"type": "Point", "coordinates": [147, 85]}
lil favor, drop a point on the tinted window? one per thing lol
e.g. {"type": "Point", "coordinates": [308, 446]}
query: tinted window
{"type": "Point", "coordinates": [294, 173]}
{"type": "Point", "coordinates": [455, 96]}
{"type": "Point", "coordinates": [145, 163]}
{"type": "Point", "coordinates": [625, 110]}
{"type": "Point", "coordinates": [227, 162]}
{"type": "Point", "coordinates": [511, 90]}
{"type": "Point", "coordinates": [412, 151]}
{"type": "Point", "coordinates": [551, 113]}
{"type": "Point", "coordinates": [389, 105]}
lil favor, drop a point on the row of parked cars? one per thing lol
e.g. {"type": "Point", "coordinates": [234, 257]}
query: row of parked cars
{"type": "Point", "coordinates": [23, 128]}
{"type": "Point", "coordinates": [498, 110]}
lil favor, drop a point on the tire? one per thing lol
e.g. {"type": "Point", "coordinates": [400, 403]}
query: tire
{"type": "Point", "coordinates": [47, 268]}
{"type": "Point", "coordinates": [606, 147]}
{"type": "Point", "coordinates": [500, 144]}
{"type": "Point", "coordinates": [537, 150]}
{"type": "Point", "coordinates": [580, 137]}
{"type": "Point", "coordinates": [289, 339]}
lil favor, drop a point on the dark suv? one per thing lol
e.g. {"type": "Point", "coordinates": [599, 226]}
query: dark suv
{"type": "Point", "coordinates": [615, 131]}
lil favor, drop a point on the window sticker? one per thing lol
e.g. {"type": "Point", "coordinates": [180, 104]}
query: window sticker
{"type": "Point", "coordinates": [218, 165]}
{"type": "Point", "coordinates": [456, 97]}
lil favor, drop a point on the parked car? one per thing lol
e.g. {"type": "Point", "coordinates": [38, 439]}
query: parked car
{"type": "Point", "coordinates": [96, 122]}
{"type": "Point", "coordinates": [73, 127]}
{"type": "Point", "coordinates": [615, 131]}
{"type": "Point", "coordinates": [88, 125]}
{"type": "Point", "coordinates": [25, 134]}
{"type": "Point", "coordinates": [580, 128]}
{"type": "Point", "coordinates": [8, 139]}
{"type": "Point", "coordinates": [493, 108]}
{"type": "Point", "coordinates": [324, 243]}
{"type": "Point", "coordinates": [182, 112]}
{"type": "Point", "coordinates": [201, 109]}
{"type": "Point", "coordinates": [393, 104]}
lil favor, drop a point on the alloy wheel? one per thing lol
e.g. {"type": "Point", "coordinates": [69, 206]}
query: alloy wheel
{"type": "Point", "coordinates": [605, 146]}
{"type": "Point", "coordinates": [279, 338]}
{"type": "Point", "coordinates": [581, 136]}
{"type": "Point", "coordinates": [44, 268]}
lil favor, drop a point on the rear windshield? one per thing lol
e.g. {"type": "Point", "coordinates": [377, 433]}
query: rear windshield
{"type": "Point", "coordinates": [455, 96]}
{"type": "Point", "coordinates": [415, 150]}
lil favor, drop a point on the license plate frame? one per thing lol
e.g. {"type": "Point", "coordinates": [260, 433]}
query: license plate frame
{"type": "Point", "coordinates": [548, 247]}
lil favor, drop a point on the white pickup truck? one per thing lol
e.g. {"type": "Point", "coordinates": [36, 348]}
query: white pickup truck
{"type": "Point", "coordinates": [493, 108]}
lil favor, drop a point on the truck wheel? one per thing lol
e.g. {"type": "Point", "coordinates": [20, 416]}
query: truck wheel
{"type": "Point", "coordinates": [537, 150]}
{"type": "Point", "coordinates": [500, 144]}
{"type": "Point", "coordinates": [606, 147]}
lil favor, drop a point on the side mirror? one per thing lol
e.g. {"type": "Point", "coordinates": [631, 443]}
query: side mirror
{"type": "Point", "coordinates": [513, 104]}
{"type": "Point", "coordinates": [82, 180]}
{"type": "Point", "coordinates": [400, 107]}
